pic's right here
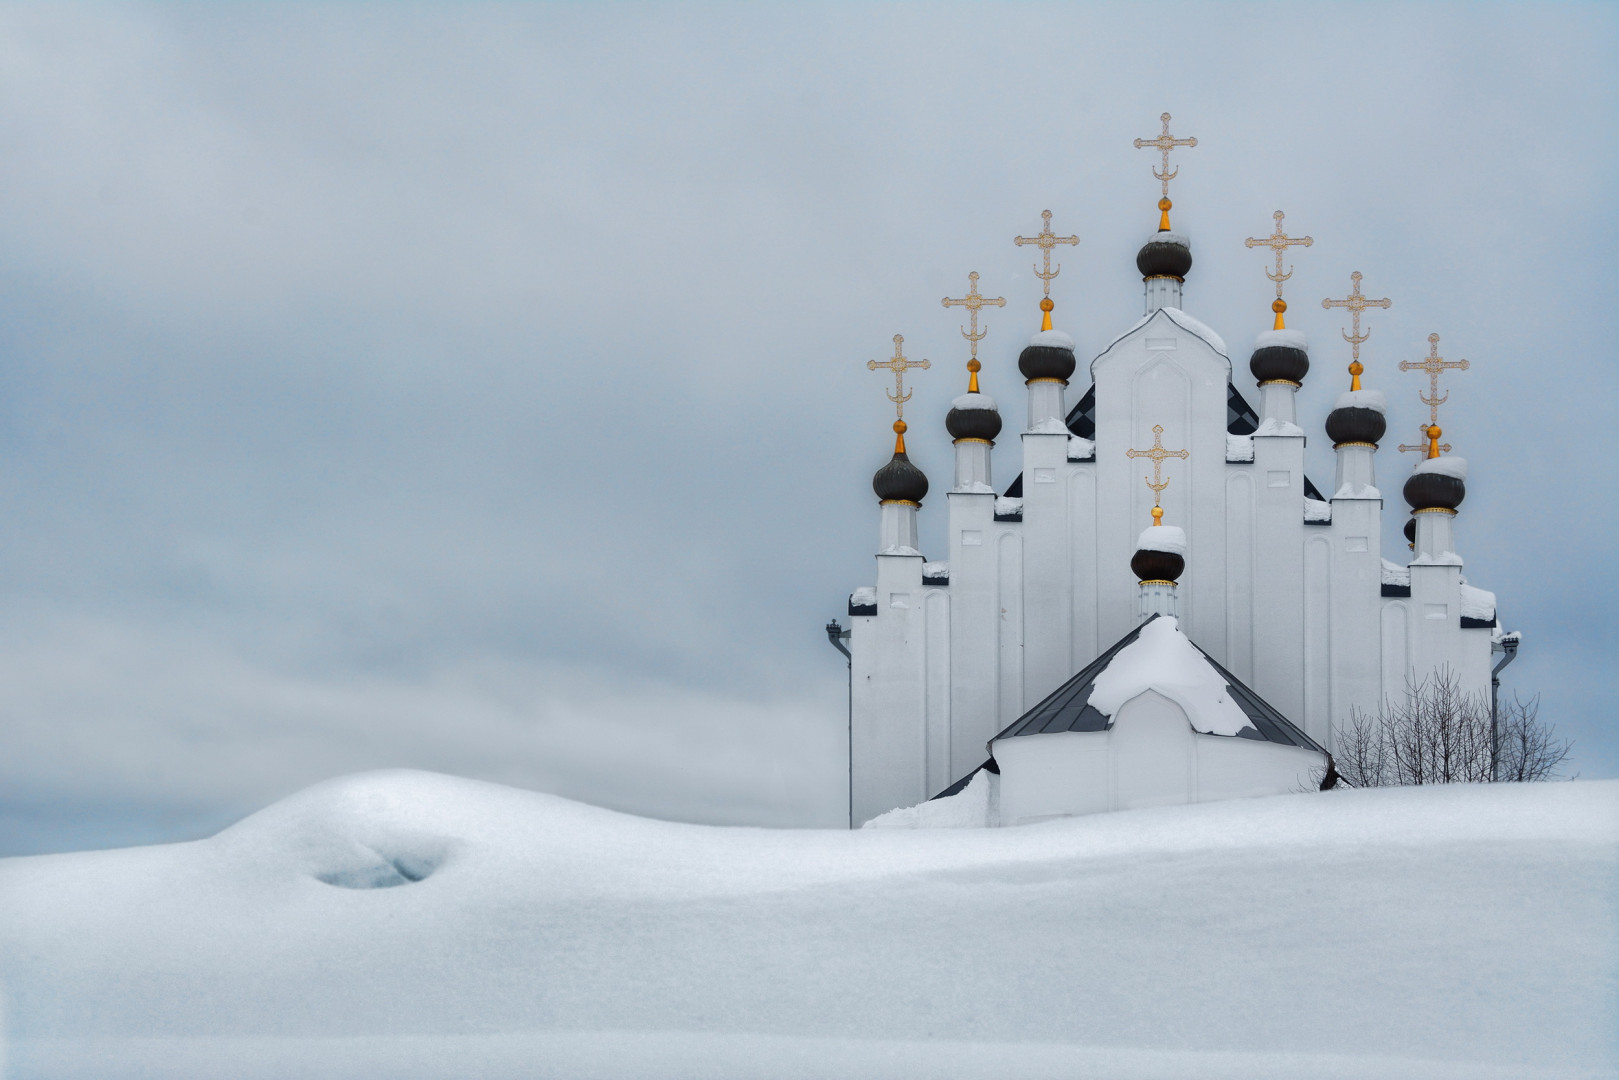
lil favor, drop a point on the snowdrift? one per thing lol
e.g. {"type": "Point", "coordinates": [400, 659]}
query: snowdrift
{"type": "Point", "coordinates": [411, 925]}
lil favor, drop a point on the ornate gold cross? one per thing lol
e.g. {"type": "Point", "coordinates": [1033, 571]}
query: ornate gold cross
{"type": "Point", "coordinates": [1279, 242]}
{"type": "Point", "coordinates": [1165, 142]}
{"type": "Point", "coordinates": [1356, 303]}
{"type": "Point", "coordinates": [1435, 365]}
{"type": "Point", "coordinates": [973, 303]}
{"type": "Point", "coordinates": [899, 365]}
{"type": "Point", "coordinates": [1045, 240]}
{"type": "Point", "coordinates": [1158, 454]}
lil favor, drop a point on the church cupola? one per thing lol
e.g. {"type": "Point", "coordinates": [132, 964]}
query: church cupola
{"type": "Point", "coordinates": [1158, 562]}
{"type": "Point", "coordinates": [900, 486]}
{"type": "Point", "coordinates": [1355, 425]}
{"type": "Point", "coordinates": [1048, 361]}
{"type": "Point", "coordinates": [1435, 489]}
{"type": "Point", "coordinates": [1281, 357]}
{"type": "Point", "coordinates": [1165, 259]}
{"type": "Point", "coordinates": [973, 423]}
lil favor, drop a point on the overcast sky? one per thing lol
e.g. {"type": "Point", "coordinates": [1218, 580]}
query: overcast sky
{"type": "Point", "coordinates": [483, 389]}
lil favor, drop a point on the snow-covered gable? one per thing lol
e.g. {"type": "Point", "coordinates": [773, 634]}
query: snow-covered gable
{"type": "Point", "coordinates": [1180, 319]}
{"type": "Point", "coordinates": [1158, 656]}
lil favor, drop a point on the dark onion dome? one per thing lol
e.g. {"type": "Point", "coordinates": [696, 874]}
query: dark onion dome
{"type": "Point", "coordinates": [973, 416]}
{"type": "Point", "coordinates": [1411, 531]}
{"type": "Point", "coordinates": [899, 480]}
{"type": "Point", "coordinates": [1167, 254]}
{"type": "Point", "coordinates": [1160, 552]}
{"type": "Point", "coordinates": [1437, 483]}
{"type": "Point", "coordinates": [1280, 356]}
{"type": "Point", "coordinates": [1358, 417]}
{"type": "Point", "coordinates": [1050, 355]}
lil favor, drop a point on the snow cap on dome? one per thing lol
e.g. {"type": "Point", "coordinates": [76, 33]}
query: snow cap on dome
{"type": "Point", "coordinates": [1052, 339]}
{"type": "Point", "coordinates": [1284, 339]}
{"type": "Point", "coordinates": [1170, 538]}
{"type": "Point", "coordinates": [1454, 467]}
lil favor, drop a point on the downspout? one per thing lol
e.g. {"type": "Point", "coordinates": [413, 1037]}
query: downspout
{"type": "Point", "coordinates": [837, 635]}
{"type": "Point", "coordinates": [1508, 646]}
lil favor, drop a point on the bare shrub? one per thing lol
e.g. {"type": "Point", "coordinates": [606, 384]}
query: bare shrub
{"type": "Point", "coordinates": [1439, 734]}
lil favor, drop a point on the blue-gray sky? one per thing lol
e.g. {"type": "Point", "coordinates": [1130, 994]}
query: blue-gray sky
{"type": "Point", "coordinates": [482, 388]}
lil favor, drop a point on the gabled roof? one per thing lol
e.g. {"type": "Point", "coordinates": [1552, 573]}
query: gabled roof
{"type": "Point", "coordinates": [1069, 707]}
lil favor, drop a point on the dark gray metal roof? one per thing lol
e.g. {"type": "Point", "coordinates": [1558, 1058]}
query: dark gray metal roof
{"type": "Point", "coordinates": [1068, 708]}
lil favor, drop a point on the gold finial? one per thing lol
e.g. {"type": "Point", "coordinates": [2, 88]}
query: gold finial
{"type": "Point", "coordinates": [1435, 365]}
{"type": "Point", "coordinates": [1356, 303]}
{"type": "Point", "coordinates": [1356, 369]}
{"type": "Point", "coordinates": [1165, 142]}
{"type": "Point", "coordinates": [1279, 242]}
{"type": "Point", "coordinates": [973, 303]}
{"type": "Point", "coordinates": [1157, 514]}
{"type": "Point", "coordinates": [1045, 240]}
{"type": "Point", "coordinates": [1157, 454]}
{"type": "Point", "coordinates": [899, 365]}
{"type": "Point", "coordinates": [972, 379]}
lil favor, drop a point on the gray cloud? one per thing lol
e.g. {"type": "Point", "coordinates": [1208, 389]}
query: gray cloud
{"type": "Point", "coordinates": [483, 389]}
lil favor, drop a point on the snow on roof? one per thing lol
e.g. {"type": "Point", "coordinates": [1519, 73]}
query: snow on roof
{"type": "Point", "coordinates": [1170, 236]}
{"type": "Point", "coordinates": [1317, 512]}
{"type": "Point", "coordinates": [1157, 656]}
{"type": "Point", "coordinates": [1181, 319]}
{"type": "Point", "coordinates": [1170, 538]}
{"type": "Point", "coordinates": [975, 487]}
{"type": "Point", "coordinates": [1444, 466]}
{"type": "Point", "coordinates": [974, 401]}
{"type": "Point", "coordinates": [1394, 574]}
{"type": "Point", "coordinates": [1051, 425]}
{"type": "Point", "coordinates": [1052, 339]}
{"type": "Point", "coordinates": [1363, 399]}
{"type": "Point", "coordinates": [865, 596]}
{"type": "Point", "coordinates": [1006, 506]}
{"type": "Point", "coordinates": [1286, 339]}
{"type": "Point", "coordinates": [936, 571]}
{"type": "Point", "coordinates": [1239, 448]}
{"type": "Point", "coordinates": [1081, 448]}
{"type": "Point", "coordinates": [1272, 426]}
{"type": "Point", "coordinates": [1478, 603]}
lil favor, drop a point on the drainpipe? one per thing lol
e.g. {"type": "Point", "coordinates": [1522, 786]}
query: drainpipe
{"type": "Point", "coordinates": [1507, 645]}
{"type": "Point", "coordinates": [837, 635]}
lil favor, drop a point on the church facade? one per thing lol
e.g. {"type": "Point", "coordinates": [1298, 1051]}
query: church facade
{"type": "Point", "coordinates": [1285, 587]}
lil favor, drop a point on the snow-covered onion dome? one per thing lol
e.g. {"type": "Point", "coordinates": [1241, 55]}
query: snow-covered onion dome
{"type": "Point", "coordinates": [1050, 355]}
{"type": "Point", "coordinates": [1280, 355]}
{"type": "Point", "coordinates": [1437, 483]}
{"type": "Point", "coordinates": [899, 480]}
{"type": "Point", "coordinates": [973, 415]}
{"type": "Point", "coordinates": [1160, 552]}
{"type": "Point", "coordinates": [1167, 254]}
{"type": "Point", "coordinates": [1358, 417]}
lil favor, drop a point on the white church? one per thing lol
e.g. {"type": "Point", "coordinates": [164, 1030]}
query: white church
{"type": "Point", "coordinates": [1159, 607]}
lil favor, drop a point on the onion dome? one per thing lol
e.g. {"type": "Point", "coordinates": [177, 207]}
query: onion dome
{"type": "Point", "coordinates": [1167, 254]}
{"type": "Point", "coordinates": [973, 415]}
{"type": "Point", "coordinates": [1160, 552]}
{"type": "Point", "coordinates": [1280, 356]}
{"type": "Point", "coordinates": [1358, 418]}
{"type": "Point", "coordinates": [1411, 531]}
{"type": "Point", "coordinates": [1437, 483]}
{"type": "Point", "coordinates": [899, 480]}
{"type": "Point", "coordinates": [1050, 355]}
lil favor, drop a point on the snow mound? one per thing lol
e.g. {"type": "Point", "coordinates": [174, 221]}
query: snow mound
{"type": "Point", "coordinates": [1477, 603]}
{"type": "Point", "coordinates": [1170, 538]}
{"type": "Point", "coordinates": [1394, 574]}
{"type": "Point", "coordinates": [1051, 425]}
{"type": "Point", "coordinates": [1272, 427]}
{"type": "Point", "coordinates": [1239, 448]}
{"type": "Point", "coordinates": [1286, 339]}
{"type": "Point", "coordinates": [1008, 506]}
{"type": "Point", "coordinates": [1162, 659]}
{"type": "Point", "coordinates": [1317, 512]}
{"type": "Point", "coordinates": [1375, 400]}
{"type": "Point", "coordinates": [1052, 339]}
{"type": "Point", "coordinates": [1444, 466]}
{"type": "Point", "coordinates": [1367, 934]}
{"type": "Point", "coordinates": [973, 807]}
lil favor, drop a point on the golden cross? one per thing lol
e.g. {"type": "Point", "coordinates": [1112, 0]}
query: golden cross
{"type": "Point", "coordinates": [1046, 240]}
{"type": "Point", "coordinates": [1435, 365]}
{"type": "Point", "coordinates": [1165, 142]}
{"type": "Point", "coordinates": [973, 303]}
{"type": "Point", "coordinates": [1279, 242]}
{"type": "Point", "coordinates": [899, 366]}
{"type": "Point", "coordinates": [1356, 303]}
{"type": "Point", "coordinates": [1158, 454]}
